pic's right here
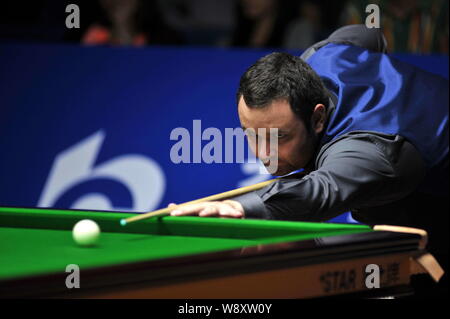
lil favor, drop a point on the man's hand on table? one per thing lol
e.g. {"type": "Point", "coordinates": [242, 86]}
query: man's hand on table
{"type": "Point", "coordinates": [225, 209]}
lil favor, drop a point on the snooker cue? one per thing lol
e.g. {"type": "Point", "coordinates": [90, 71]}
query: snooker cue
{"type": "Point", "coordinates": [166, 211]}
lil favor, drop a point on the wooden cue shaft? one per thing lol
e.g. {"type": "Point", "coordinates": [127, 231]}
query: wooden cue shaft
{"type": "Point", "coordinates": [220, 196]}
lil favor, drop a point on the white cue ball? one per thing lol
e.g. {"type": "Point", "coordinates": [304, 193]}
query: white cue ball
{"type": "Point", "coordinates": [86, 232]}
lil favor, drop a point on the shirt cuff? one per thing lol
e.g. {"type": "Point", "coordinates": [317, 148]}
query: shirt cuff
{"type": "Point", "coordinates": [253, 206]}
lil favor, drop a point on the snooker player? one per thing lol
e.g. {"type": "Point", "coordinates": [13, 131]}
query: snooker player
{"type": "Point", "coordinates": [370, 132]}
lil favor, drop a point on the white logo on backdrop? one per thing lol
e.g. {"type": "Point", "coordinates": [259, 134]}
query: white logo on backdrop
{"type": "Point", "coordinates": [142, 176]}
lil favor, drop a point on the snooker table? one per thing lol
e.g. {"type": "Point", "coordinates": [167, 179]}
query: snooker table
{"type": "Point", "coordinates": [197, 257]}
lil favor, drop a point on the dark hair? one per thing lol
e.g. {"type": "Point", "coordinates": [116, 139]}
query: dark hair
{"type": "Point", "coordinates": [283, 76]}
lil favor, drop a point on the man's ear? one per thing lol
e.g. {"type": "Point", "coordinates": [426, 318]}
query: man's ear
{"type": "Point", "coordinates": [319, 118]}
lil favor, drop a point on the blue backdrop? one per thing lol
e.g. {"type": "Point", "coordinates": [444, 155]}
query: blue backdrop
{"type": "Point", "coordinates": [90, 127]}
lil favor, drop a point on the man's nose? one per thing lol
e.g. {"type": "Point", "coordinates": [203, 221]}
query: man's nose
{"type": "Point", "coordinates": [266, 150]}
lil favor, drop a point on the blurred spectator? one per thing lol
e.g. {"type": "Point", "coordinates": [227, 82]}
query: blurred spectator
{"type": "Point", "coordinates": [129, 22]}
{"type": "Point", "coordinates": [200, 22]}
{"type": "Point", "coordinates": [414, 26]}
{"type": "Point", "coordinates": [261, 23]}
{"type": "Point", "coordinates": [307, 29]}
{"type": "Point", "coordinates": [31, 22]}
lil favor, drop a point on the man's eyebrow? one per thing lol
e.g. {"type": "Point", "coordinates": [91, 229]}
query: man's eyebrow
{"type": "Point", "coordinates": [279, 130]}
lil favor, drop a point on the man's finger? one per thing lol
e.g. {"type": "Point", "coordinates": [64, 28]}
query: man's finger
{"type": "Point", "coordinates": [219, 209]}
{"type": "Point", "coordinates": [208, 211]}
{"type": "Point", "coordinates": [193, 209]}
{"type": "Point", "coordinates": [226, 210]}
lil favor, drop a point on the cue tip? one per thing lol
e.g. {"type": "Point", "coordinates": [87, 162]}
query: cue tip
{"type": "Point", "coordinates": [123, 222]}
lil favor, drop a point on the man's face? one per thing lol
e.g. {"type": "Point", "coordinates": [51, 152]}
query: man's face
{"type": "Point", "coordinates": [296, 145]}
